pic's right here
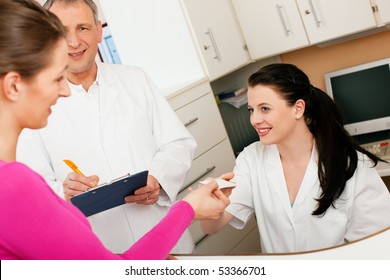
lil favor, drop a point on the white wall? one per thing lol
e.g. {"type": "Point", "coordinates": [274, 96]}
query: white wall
{"type": "Point", "coordinates": [153, 34]}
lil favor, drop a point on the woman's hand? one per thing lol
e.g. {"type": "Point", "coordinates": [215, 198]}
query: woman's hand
{"type": "Point", "coordinates": [208, 201]}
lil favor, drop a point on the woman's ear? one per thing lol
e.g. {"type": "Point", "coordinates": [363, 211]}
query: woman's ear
{"type": "Point", "coordinates": [11, 85]}
{"type": "Point", "coordinates": [299, 108]}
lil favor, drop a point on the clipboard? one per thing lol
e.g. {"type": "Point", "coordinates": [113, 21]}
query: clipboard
{"type": "Point", "coordinates": [110, 194]}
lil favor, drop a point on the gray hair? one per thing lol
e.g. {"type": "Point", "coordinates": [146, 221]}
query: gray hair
{"type": "Point", "coordinates": [89, 3]}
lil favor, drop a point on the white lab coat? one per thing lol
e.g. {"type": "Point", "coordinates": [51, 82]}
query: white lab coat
{"type": "Point", "coordinates": [133, 129]}
{"type": "Point", "coordinates": [362, 209]}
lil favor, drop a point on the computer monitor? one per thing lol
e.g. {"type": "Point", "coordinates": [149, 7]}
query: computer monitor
{"type": "Point", "coordinates": [362, 93]}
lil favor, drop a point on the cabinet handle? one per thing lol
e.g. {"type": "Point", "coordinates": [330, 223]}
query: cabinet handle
{"type": "Point", "coordinates": [208, 170]}
{"type": "Point", "coordinates": [191, 121]}
{"type": "Point", "coordinates": [315, 14]}
{"type": "Point", "coordinates": [286, 29]}
{"type": "Point", "coordinates": [217, 55]}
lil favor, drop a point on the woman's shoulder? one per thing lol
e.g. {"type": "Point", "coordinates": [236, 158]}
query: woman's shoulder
{"type": "Point", "coordinates": [6, 168]}
{"type": "Point", "coordinates": [17, 181]}
{"type": "Point", "coordinates": [17, 172]}
{"type": "Point", "coordinates": [254, 146]}
{"type": "Point", "coordinates": [257, 147]}
{"type": "Point", "coordinates": [253, 151]}
{"type": "Point", "coordinates": [364, 161]}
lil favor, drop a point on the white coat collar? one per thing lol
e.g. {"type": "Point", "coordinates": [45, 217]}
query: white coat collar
{"type": "Point", "coordinates": [106, 80]}
{"type": "Point", "coordinates": [276, 178]}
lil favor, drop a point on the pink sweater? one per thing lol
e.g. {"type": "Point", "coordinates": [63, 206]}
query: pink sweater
{"type": "Point", "coordinates": [37, 224]}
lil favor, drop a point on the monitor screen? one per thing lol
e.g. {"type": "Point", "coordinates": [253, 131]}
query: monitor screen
{"type": "Point", "coordinates": [362, 94]}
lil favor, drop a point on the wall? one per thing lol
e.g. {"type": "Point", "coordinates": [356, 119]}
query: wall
{"type": "Point", "coordinates": [153, 34]}
{"type": "Point", "coordinates": [315, 61]}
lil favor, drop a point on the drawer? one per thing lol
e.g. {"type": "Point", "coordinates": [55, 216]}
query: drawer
{"type": "Point", "coordinates": [188, 95]}
{"type": "Point", "coordinates": [196, 232]}
{"type": "Point", "coordinates": [210, 164]}
{"type": "Point", "coordinates": [224, 241]}
{"type": "Point", "coordinates": [203, 120]}
{"type": "Point", "coordinates": [218, 160]}
{"type": "Point", "coordinates": [249, 245]}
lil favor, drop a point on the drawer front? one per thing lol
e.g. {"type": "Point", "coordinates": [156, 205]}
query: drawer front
{"type": "Point", "coordinates": [188, 95]}
{"type": "Point", "coordinates": [213, 163]}
{"type": "Point", "coordinates": [203, 120]}
{"type": "Point", "coordinates": [218, 160]}
{"type": "Point", "coordinates": [226, 240]}
{"type": "Point", "coordinates": [196, 232]}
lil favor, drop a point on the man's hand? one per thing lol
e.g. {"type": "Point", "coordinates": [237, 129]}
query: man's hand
{"type": "Point", "coordinates": [75, 184]}
{"type": "Point", "coordinates": [147, 195]}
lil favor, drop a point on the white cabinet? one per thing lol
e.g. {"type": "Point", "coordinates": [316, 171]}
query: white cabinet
{"type": "Point", "coordinates": [270, 26]}
{"type": "Point", "coordinates": [217, 35]}
{"type": "Point", "coordinates": [275, 26]}
{"type": "Point", "coordinates": [330, 19]}
{"type": "Point", "coordinates": [202, 119]}
{"type": "Point", "coordinates": [197, 109]}
{"type": "Point", "coordinates": [382, 8]}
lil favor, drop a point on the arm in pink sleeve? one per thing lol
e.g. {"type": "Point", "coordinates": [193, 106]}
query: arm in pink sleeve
{"type": "Point", "coordinates": [158, 242]}
{"type": "Point", "coordinates": [40, 225]}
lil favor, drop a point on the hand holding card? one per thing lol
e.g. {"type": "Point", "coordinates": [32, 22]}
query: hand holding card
{"type": "Point", "coordinates": [222, 184]}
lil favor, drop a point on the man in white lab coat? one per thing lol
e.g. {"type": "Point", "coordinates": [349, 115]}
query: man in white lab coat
{"type": "Point", "coordinates": [115, 122]}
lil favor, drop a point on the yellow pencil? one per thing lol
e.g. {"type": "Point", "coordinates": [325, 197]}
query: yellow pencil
{"type": "Point", "coordinates": [73, 166]}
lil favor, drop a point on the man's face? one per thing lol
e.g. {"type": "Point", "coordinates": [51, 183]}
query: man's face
{"type": "Point", "coordinates": [83, 35]}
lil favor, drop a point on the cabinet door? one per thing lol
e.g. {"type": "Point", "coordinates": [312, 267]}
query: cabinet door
{"type": "Point", "coordinates": [217, 34]}
{"type": "Point", "coordinates": [329, 19]}
{"type": "Point", "coordinates": [270, 26]}
{"type": "Point", "coordinates": [384, 10]}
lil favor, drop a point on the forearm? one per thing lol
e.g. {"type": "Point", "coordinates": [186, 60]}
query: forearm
{"type": "Point", "coordinates": [214, 226]}
{"type": "Point", "coordinates": [159, 241]}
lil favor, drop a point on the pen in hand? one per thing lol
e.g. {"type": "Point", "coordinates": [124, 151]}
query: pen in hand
{"type": "Point", "coordinates": [73, 166]}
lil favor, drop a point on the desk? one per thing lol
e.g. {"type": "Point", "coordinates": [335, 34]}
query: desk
{"type": "Point", "coordinates": [383, 169]}
{"type": "Point", "coordinates": [373, 247]}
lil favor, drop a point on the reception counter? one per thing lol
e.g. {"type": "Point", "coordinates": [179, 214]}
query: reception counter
{"type": "Point", "coordinates": [373, 247]}
{"type": "Point", "coordinates": [383, 169]}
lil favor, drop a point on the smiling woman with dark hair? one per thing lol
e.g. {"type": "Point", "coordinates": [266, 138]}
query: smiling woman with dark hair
{"type": "Point", "coordinates": [309, 184]}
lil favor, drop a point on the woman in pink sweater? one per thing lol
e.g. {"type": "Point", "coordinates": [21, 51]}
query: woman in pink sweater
{"type": "Point", "coordinates": [35, 223]}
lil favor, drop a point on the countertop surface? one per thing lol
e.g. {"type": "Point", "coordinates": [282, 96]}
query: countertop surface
{"type": "Point", "coordinates": [374, 247]}
{"type": "Point", "coordinates": [383, 169]}
{"type": "Point", "coordinates": [173, 91]}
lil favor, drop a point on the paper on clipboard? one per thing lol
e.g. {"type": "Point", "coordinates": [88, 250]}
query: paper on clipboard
{"type": "Point", "coordinates": [110, 194]}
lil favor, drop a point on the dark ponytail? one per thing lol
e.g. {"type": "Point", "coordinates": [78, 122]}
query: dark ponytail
{"type": "Point", "coordinates": [337, 151]}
